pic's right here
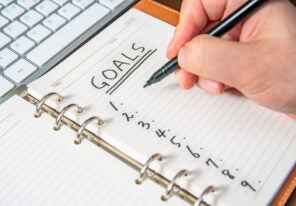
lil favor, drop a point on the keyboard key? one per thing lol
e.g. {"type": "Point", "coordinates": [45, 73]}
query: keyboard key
{"type": "Point", "coordinates": [54, 22]}
{"type": "Point", "coordinates": [69, 11]}
{"type": "Point", "coordinates": [20, 70]}
{"type": "Point", "coordinates": [6, 86]}
{"type": "Point", "coordinates": [60, 2]}
{"type": "Point", "coordinates": [3, 21]}
{"type": "Point", "coordinates": [4, 40]}
{"type": "Point", "coordinates": [45, 51]}
{"type": "Point", "coordinates": [5, 2]}
{"type": "Point", "coordinates": [46, 7]}
{"type": "Point", "coordinates": [111, 4]}
{"type": "Point", "coordinates": [7, 57]}
{"type": "Point", "coordinates": [22, 45]}
{"type": "Point", "coordinates": [12, 11]}
{"type": "Point", "coordinates": [27, 4]}
{"type": "Point", "coordinates": [82, 3]}
{"type": "Point", "coordinates": [15, 29]}
{"type": "Point", "coordinates": [38, 33]}
{"type": "Point", "coordinates": [31, 18]}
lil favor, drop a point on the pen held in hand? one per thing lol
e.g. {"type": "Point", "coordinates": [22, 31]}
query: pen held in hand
{"type": "Point", "coordinates": [217, 31]}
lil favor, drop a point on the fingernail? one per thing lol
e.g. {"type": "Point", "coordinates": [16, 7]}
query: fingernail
{"type": "Point", "coordinates": [182, 58]}
{"type": "Point", "coordinates": [210, 86]}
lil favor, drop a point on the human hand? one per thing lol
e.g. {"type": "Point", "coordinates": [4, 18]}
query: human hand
{"type": "Point", "coordinates": [257, 57]}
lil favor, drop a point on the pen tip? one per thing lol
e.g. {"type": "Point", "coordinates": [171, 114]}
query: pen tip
{"type": "Point", "coordinates": [147, 84]}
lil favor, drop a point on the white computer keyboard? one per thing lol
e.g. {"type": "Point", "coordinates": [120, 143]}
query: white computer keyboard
{"type": "Point", "coordinates": [35, 34]}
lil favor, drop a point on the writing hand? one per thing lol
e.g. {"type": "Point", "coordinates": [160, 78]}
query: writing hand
{"type": "Point", "coordinates": [257, 57]}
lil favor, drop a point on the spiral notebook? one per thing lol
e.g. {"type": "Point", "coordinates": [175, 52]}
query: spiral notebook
{"type": "Point", "coordinates": [205, 149]}
{"type": "Point", "coordinates": [40, 167]}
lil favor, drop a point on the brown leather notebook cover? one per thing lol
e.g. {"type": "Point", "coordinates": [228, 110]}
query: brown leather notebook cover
{"type": "Point", "coordinates": [286, 190]}
{"type": "Point", "coordinates": [159, 10]}
{"type": "Point", "coordinates": [171, 16]}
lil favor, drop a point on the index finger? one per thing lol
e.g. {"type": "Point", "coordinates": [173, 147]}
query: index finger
{"type": "Point", "coordinates": [192, 20]}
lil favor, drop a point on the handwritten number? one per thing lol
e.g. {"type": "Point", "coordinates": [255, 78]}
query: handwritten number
{"type": "Point", "coordinates": [210, 162]}
{"type": "Point", "coordinates": [113, 106]}
{"type": "Point", "coordinates": [174, 140]}
{"type": "Point", "coordinates": [194, 154]}
{"type": "Point", "coordinates": [143, 124]}
{"type": "Point", "coordinates": [246, 184]}
{"type": "Point", "coordinates": [175, 143]}
{"type": "Point", "coordinates": [127, 116]}
{"type": "Point", "coordinates": [160, 133]}
{"type": "Point", "coordinates": [227, 173]}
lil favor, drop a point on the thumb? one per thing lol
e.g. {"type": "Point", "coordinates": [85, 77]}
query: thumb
{"type": "Point", "coordinates": [219, 59]}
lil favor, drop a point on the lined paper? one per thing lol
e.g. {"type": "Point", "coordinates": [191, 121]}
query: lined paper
{"type": "Point", "coordinates": [246, 151]}
{"type": "Point", "coordinates": [40, 166]}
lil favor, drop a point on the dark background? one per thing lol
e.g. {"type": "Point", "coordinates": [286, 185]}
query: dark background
{"type": "Point", "coordinates": [176, 4]}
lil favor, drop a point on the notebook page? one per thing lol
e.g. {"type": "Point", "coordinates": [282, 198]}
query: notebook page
{"type": "Point", "coordinates": [227, 141]}
{"type": "Point", "coordinates": [40, 166]}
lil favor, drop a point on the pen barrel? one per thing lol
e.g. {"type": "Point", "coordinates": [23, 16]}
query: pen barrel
{"type": "Point", "coordinates": [224, 26]}
{"type": "Point", "coordinates": [229, 22]}
{"type": "Point", "coordinates": [164, 71]}
{"type": "Point", "coordinates": [171, 66]}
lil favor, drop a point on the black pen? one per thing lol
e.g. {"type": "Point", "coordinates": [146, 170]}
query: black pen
{"type": "Point", "coordinates": [217, 31]}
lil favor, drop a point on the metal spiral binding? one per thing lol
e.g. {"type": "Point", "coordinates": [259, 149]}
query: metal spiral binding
{"type": "Point", "coordinates": [143, 171]}
{"type": "Point", "coordinates": [200, 200]}
{"type": "Point", "coordinates": [78, 109]}
{"type": "Point", "coordinates": [170, 187]}
{"type": "Point", "coordinates": [42, 101]}
{"type": "Point", "coordinates": [84, 124]}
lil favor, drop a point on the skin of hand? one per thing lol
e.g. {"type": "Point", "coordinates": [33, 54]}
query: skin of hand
{"type": "Point", "coordinates": [257, 57]}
